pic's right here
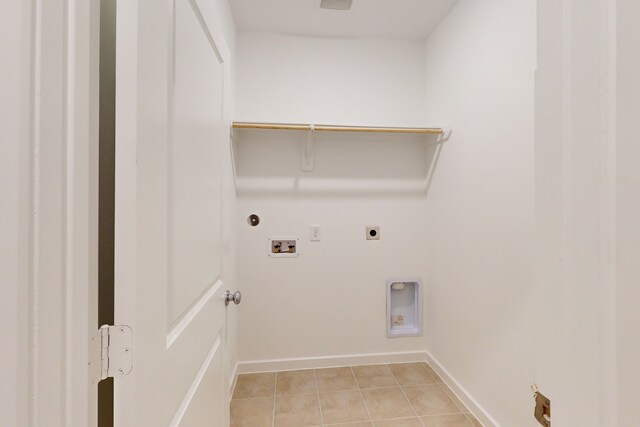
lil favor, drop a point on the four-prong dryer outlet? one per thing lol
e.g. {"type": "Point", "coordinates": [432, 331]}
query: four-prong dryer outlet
{"type": "Point", "coordinates": [404, 307]}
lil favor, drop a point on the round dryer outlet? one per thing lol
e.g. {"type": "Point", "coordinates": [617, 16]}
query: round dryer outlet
{"type": "Point", "coordinates": [373, 232]}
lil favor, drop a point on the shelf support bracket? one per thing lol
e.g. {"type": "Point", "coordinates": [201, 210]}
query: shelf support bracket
{"type": "Point", "coordinates": [446, 133]}
{"type": "Point", "coordinates": [308, 155]}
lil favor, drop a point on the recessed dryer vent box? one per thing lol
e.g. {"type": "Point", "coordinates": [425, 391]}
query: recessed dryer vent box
{"type": "Point", "coordinates": [404, 307]}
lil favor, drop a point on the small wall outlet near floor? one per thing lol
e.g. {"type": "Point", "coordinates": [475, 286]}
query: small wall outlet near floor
{"type": "Point", "coordinates": [373, 232]}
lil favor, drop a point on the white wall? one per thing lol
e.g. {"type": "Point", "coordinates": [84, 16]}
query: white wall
{"type": "Point", "coordinates": [628, 211]}
{"type": "Point", "coordinates": [480, 65]}
{"type": "Point", "coordinates": [529, 249]}
{"type": "Point", "coordinates": [323, 80]}
{"type": "Point", "coordinates": [331, 300]}
{"type": "Point", "coordinates": [14, 396]}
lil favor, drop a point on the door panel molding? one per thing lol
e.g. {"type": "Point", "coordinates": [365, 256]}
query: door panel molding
{"type": "Point", "coordinates": [193, 389]}
{"type": "Point", "coordinates": [193, 312]}
{"type": "Point", "coordinates": [205, 29]}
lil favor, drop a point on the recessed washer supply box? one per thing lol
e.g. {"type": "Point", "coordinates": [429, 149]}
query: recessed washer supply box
{"type": "Point", "coordinates": [404, 307]}
{"type": "Point", "coordinates": [283, 247]}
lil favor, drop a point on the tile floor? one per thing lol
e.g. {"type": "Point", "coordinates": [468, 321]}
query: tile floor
{"type": "Point", "coordinates": [399, 395]}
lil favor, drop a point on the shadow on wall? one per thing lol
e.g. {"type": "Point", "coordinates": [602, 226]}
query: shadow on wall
{"type": "Point", "coordinates": [346, 164]}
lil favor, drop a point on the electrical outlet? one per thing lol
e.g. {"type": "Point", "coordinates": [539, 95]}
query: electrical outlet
{"type": "Point", "coordinates": [315, 233]}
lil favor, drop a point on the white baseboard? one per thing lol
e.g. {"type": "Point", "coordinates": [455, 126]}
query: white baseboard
{"type": "Point", "coordinates": [233, 380]}
{"type": "Point", "coordinates": [472, 405]}
{"type": "Point", "coordinates": [255, 366]}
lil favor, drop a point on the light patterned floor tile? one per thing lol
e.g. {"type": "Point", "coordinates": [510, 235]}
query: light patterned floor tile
{"type": "Point", "coordinates": [433, 373]}
{"type": "Point", "coordinates": [252, 412]}
{"type": "Point", "coordinates": [255, 385]}
{"type": "Point", "coordinates": [411, 374]}
{"type": "Point", "coordinates": [343, 407]}
{"type": "Point", "coordinates": [362, 424]}
{"type": "Point", "coordinates": [301, 410]}
{"type": "Point", "coordinates": [430, 400]}
{"type": "Point", "coordinates": [335, 379]}
{"type": "Point", "coordinates": [406, 422]}
{"type": "Point", "coordinates": [458, 420]}
{"type": "Point", "coordinates": [474, 421]}
{"type": "Point", "coordinates": [348, 397]}
{"type": "Point", "coordinates": [374, 376]}
{"type": "Point", "coordinates": [453, 397]}
{"type": "Point", "coordinates": [387, 403]}
{"type": "Point", "coordinates": [296, 382]}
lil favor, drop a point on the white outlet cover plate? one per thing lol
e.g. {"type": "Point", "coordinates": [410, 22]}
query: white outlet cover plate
{"type": "Point", "coordinates": [315, 233]}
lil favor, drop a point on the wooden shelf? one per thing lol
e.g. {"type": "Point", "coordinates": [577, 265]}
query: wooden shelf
{"type": "Point", "coordinates": [336, 128]}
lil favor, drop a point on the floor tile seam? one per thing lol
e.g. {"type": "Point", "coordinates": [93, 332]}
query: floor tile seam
{"type": "Point", "coordinates": [399, 418]}
{"type": "Point", "coordinates": [445, 413]}
{"type": "Point", "coordinates": [340, 391]}
{"type": "Point", "coordinates": [424, 367]}
{"type": "Point", "coordinates": [379, 388]}
{"type": "Point", "coordinates": [394, 386]}
{"type": "Point", "coordinates": [420, 385]}
{"type": "Point", "coordinates": [358, 389]}
{"type": "Point", "coordinates": [465, 410]}
{"type": "Point", "coordinates": [435, 375]}
{"type": "Point", "coordinates": [350, 423]}
{"type": "Point", "coordinates": [308, 393]}
{"type": "Point", "coordinates": [275, 393]}
{"type": "Point", "coordinates": [407, 399]}
{"type": "Point", "coordinates": [469, 416]}
{"type": "Point", "coordinates": [315, 376]}
{"type": "Point", "coordinates": [253, 398]}
{"type": "Point", "coordinates": [364, 403]}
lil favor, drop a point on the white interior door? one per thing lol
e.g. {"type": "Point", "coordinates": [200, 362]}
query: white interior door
{"type": "Point", "coordinates": [169, 275]}
{"type": "Point", "coordinates": [575, 212]}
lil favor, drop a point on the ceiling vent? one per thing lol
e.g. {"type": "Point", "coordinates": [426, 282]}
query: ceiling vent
{"type": "Point", "coordinates": [336, 4]}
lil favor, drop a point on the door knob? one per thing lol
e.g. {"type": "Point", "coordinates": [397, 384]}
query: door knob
{"type": "Point", "coordinates": [236, 297]}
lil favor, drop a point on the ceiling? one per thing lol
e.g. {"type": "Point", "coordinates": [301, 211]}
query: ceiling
{"type": "Point", "coordinates": [413, 19]}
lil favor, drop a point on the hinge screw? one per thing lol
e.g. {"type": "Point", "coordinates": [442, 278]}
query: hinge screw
{"type": "Point", "coordinates": [534, 389]}
{"type": "Point", "coordinates": [121, 371]}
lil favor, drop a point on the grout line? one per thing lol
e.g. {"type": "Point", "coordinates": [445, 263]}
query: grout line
{"type": "Point", "coordinates": [405, 396]}
{"type": "Point", "coordinates": [318, 396]}
{"type": "Point", "coordinates": [449, 393]}
{"type": "Point", "coordinates": [471, 418]}
{"type": "Point", "coordinates": [275, 393]}
{"type": "Point", "coordinates": [335, 391]}
{"type": "Point", "coordinates": [256, 398]}
{"type": "Point", "coordinates": [425, 366]}
{"type": "Point", "coordinates": [434, 374]}
{"type": "Point", "coordinates": [364, 402]}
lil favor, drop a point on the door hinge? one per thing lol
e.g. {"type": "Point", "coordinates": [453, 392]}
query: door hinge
{"type": "Point", "coordinates": [115, 349]}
